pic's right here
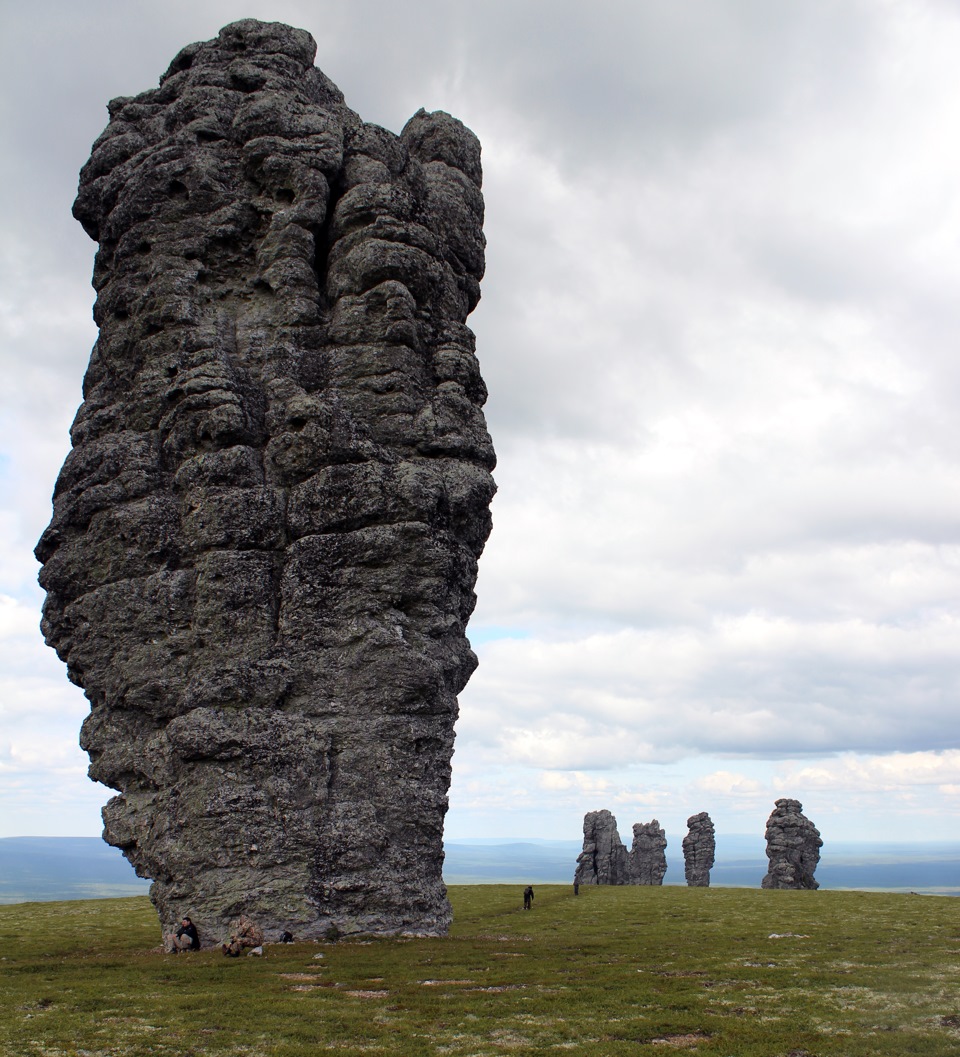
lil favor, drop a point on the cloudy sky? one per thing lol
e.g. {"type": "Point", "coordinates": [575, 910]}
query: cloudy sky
{"type": "Point", "coordinates": [720, 332]}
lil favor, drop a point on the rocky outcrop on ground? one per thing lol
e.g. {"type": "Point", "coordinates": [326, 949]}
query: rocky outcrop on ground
{"type": "Point", "coordinates": [264, 543]}
{"type": "Point", "coordinates": [603, 860]}
{"type": "Point", "coordinates": [793, 847]}
{"type": "Point", "coordinates": [647, 861]}
{"type": "Point", "coordinates": [699, 850]}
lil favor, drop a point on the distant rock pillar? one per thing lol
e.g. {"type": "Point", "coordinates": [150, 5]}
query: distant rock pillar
{"type": "Point", "coordinates": [793, 847]}
{"type": "Point", "coordinates": [603, 860]}
{"type": "Point", "coordinates": [648, 861]}
{"type": "Point", "coordinates": [699, 849]}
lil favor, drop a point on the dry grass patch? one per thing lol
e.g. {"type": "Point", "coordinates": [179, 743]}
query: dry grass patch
{"type": "Point", "coordinates": [680, 1042]}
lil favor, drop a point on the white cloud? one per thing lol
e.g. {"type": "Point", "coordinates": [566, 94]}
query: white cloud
{"type": "Point", "coordinates": [897, 772]}
{"type": "Point", "coordinates": [750, 684]}
{"type": "Point", "coordinates": [718, 329]}
{"type": "Point", "coordinates": [730, 783]}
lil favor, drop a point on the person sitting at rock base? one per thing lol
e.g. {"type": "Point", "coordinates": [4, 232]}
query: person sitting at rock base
{"type": "Point", "coordinates": [245, 933]}
{"type": "Point", "coordinates": [186, 938]}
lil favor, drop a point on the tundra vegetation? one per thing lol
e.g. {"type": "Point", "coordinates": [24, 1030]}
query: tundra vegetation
{"type": "Point", "coordinates": [636, 970]}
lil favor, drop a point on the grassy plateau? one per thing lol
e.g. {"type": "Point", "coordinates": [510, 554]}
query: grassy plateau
{"type": "Point", "coordinates": [729, 972]}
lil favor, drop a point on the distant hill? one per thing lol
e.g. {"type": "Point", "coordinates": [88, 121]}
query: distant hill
{"type": "Point", "coordinates": [40, 869]}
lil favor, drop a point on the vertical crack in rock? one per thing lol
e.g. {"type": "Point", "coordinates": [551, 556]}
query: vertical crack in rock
{"type": "Point", "coordinates": [264, 543]}
{"type": "Point", "coordinates": [793, 847]}
{"type": "Point", "coordinates": [699, 850]}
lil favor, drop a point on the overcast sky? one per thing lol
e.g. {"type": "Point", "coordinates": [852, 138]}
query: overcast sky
{"type": "Point", "coordinates": [720, 332]}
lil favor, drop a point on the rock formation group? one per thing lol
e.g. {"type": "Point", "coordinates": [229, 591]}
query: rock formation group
{"type": "Point", "coordinates": [606, 861]}
{"type": "Point", "coordinates": [264, 541]}
{"type": "Point", "coordinates": [793, 848]}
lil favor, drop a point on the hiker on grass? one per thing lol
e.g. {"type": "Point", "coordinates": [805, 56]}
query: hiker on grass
{"type": "Point", "coordinates": [245, 934]}
{"type": "Point", "coordinates": [185, 938]}
{"type": "Point", "coordinates": [528, 898]}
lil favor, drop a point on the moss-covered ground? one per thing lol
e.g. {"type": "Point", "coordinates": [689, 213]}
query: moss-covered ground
{"type": "Point", "coordinates": [614, 971]}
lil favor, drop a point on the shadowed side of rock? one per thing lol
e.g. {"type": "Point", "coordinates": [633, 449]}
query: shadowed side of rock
{"type": "Point", "coordinates": [264, 543]}
{"type": "Point", "coordinates": [793, 847]}
{"type": "Point", "coordinates": [699, 850]}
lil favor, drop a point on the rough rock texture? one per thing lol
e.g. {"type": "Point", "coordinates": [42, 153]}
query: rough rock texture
{"type": "Point", "coordinates": [603, 860]}
{"type": "Point", "coordinates": [606, 861]}
{"type": "Point", "coordinates": [263, 550]}
{"type": "Point", "coordinates": [793, 847]}
{"type": "Point", "coordinates": [699, 850]}
{"type": "Point", "coordinates": [647, 862]}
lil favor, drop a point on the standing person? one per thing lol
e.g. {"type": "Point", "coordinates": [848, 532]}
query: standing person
{"type": "Point", "coordinates": [576, 888]}
{"type": "Point", "coordinates": [528, 898]}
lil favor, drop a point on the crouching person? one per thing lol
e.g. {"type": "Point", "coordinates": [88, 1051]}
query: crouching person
{"type": "Point", "coordinates": [245, 934]}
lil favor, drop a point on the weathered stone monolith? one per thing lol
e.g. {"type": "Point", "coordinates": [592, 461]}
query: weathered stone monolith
{"type": "Point", "coordinates": [699, 850]}
{"type": "Point", "coordinates": [606, 861]}
{"type": "Point", "coordinates": [793, 847]}
{"type": "Point", "coordinates": [264, 542]}
{"type": "Point", "coordinates": [647, 861]}
{"type": "Point", "coordinates": [603, 860]}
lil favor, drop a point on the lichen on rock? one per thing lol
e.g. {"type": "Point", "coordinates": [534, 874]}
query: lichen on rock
{"type": "Point", "coordinates": [264, 543]}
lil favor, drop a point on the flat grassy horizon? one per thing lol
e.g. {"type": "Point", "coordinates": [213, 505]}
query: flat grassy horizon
{"type": "Point", "coordinates": [726, 972]}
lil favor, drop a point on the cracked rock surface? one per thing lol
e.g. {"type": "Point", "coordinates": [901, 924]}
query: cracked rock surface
{"type": "Point", "coordinates": [699, 850]}
{"type": "Point", "coordinates": [603, 860]}
{"type": "Point", "coordinates": [647, 862]}
{"type": "Point", "coordinates": [793, 847]}
{"type": "Point", "coordinates": [606, 861]}
{"type": "Point", "coordinates": [264, 542]}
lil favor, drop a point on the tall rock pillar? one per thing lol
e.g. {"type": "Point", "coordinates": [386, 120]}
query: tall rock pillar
{"type": "Point", "coordinates": [603, 860]}
{"type": "Point", "coordinates": [793, 847]}
{"type": "Point", "coordinates": [264, 542]}
{"type": "Point", "coordinates": [647, 861]}
{"type": "Point", "coordinates": [699, 850]}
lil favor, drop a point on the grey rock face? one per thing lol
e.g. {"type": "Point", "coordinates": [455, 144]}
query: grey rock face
{"type": "Point", "coordinates": [603, 860]}
{"type": "Point", "coordinates": [793, 847]}
{"type": "Point", "coordinates": [699, 850]}
{"type": "Point", "coordinates": [647, 862]}
{"type": "Point", "coordinates": [606, 861]}
{"type": "Point", "coordinates": [264, 542]}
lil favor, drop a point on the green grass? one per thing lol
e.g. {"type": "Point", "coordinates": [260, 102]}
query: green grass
{"type": "Point", "coordinates": [615, 971]}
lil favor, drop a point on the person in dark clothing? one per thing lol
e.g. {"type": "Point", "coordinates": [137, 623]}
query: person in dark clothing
{"type": "Point", "coordinates": [528, 897]}
{"type": "Point", "coordinates": [186, 938]}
